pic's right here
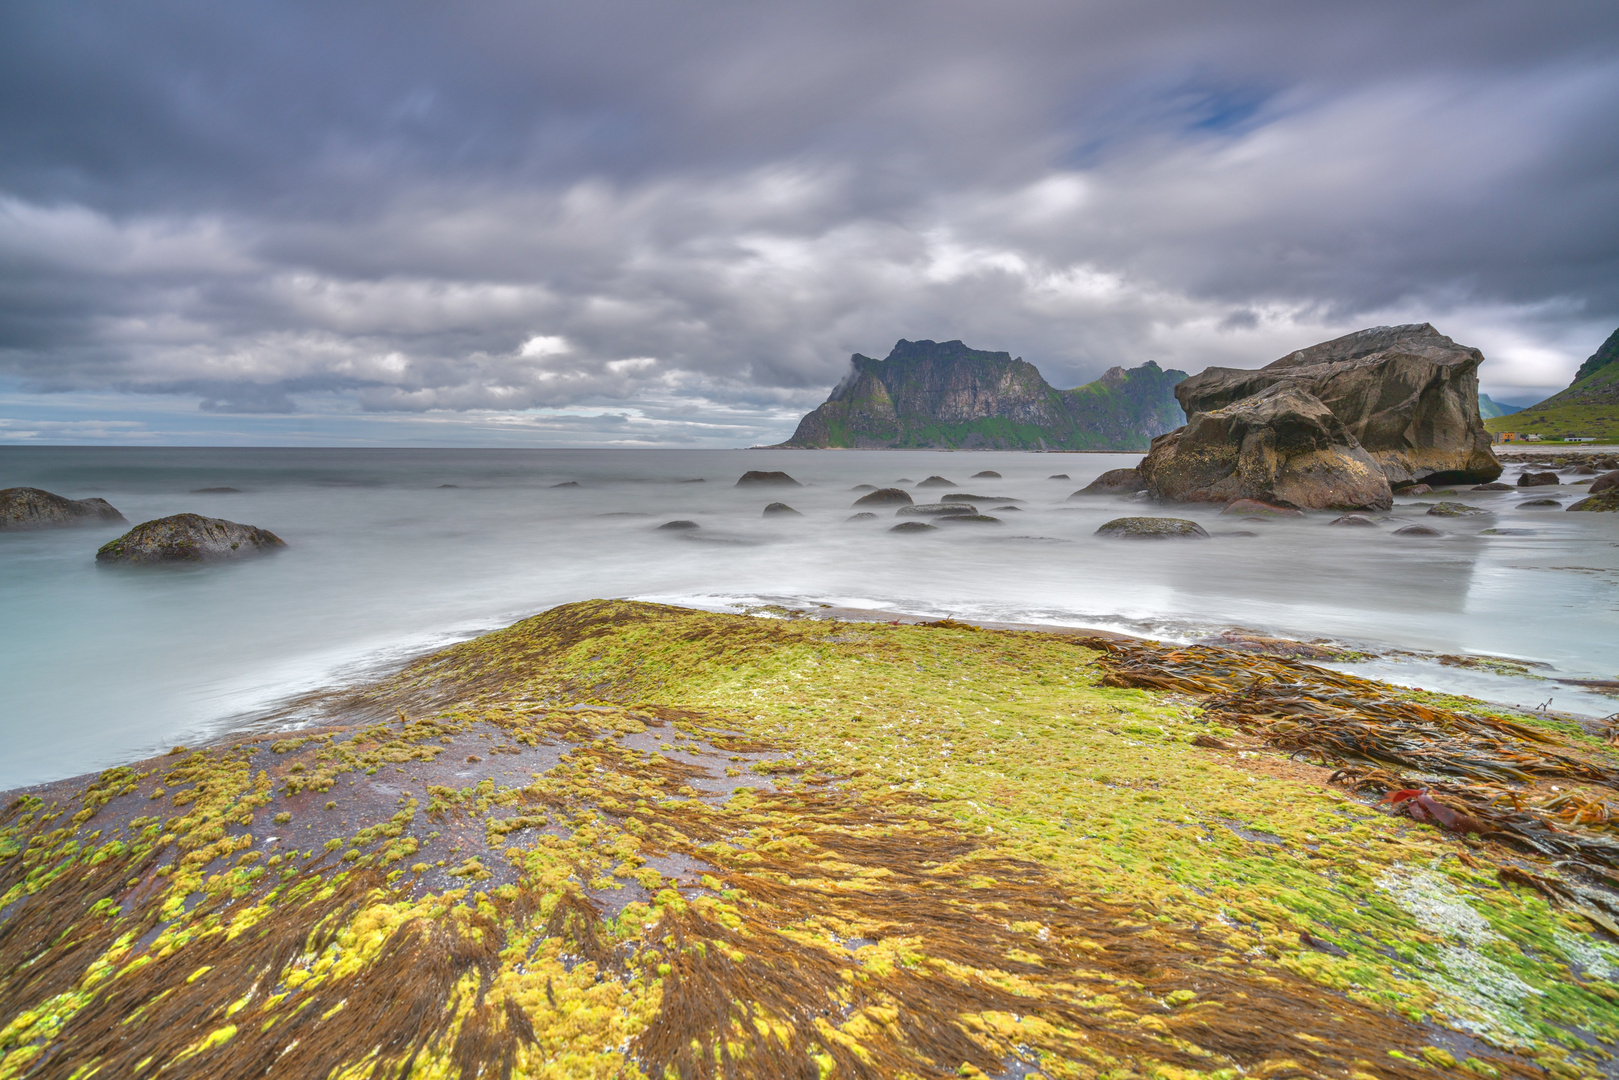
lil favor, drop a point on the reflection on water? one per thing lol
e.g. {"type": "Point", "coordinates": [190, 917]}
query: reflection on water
{"type": "Point", "coordinates": [393, 551]}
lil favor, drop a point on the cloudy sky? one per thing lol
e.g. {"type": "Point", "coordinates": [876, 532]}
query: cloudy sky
{"type": "Point", "coordinates": [670, 223]}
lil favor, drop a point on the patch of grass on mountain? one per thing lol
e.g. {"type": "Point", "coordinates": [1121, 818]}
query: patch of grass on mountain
{"type": "Point", "coordinates": [1590, 407]}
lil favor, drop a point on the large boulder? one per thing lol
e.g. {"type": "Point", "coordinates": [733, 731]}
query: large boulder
{"type": "Point", "coordinates": [1407, 394]}
{"type": "Point", "coordinates": [1113, 482]}
{"type": "Point", "coordinates": [1281, 446]}
{"type": "Point", "coordinates": [188, 538]}
{"type": "Point", "coordinates": [31, 508]}
{"type": "Point", "coordinates": [1605, 482]}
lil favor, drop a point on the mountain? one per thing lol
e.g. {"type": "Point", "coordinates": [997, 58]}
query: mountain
{"type": "Point", "coordinates": [944, 395]}
{"type": "Point", "coordinates": [1489, 410]}
{"type": "Point", "coordinates": [1589, 407]}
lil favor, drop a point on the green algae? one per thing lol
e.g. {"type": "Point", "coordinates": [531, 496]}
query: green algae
{"type": "Point", "coordinates": [942, 850]}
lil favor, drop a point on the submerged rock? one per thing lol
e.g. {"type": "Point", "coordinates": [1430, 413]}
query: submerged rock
{"type": "Point", "coordinates": [1255, 508]}
{"type": "Point", "coordinates": [1538, 479]}
{"type": "Point", "coordinates": [1152, 528]}
{"type": "Point", "coordinates": [864, 515]}
{"type": "Point", "coordinates": [1607, 501]}
{"type": "Point", "coordinates": [1058, 476]}
{"type": "Point", "coordinates": [1113, 482]}
{"type": "Point", "coordinates": [964, 497]}
{"type": "Point", "coordinates": [568, 484]}
{"type": "Point", "coordinates": [1418, 530]}
{"type": "Point", "coordinates": [1533, 504]}
{"type": "Point", "coordinates": [885, 497]}
{"type": "Point", "coordinates": [237, 491]}
{"type": "Point", "coordinates": [1280, 446]}
{"type": "Point", "coordinates": [758, 478]}
{"type": "Point", "coordinates": [936, 510]}
{"type": "Point", "coordinates": [1416, 489]}
{"type": "Point", "coordinates": [913, 526]}
{"type": "Point", "coordinates": [864, 487]}
{"type": "Point", "coordinates": [188, 538]}
{"type": "Point", "coordinates": [978, 518]}
{"type": "Point", "coordinates": [679, 525]}
{"type": "Point", "coordinates": [1493, 485]}
{"type": "Point", "coordinates": [31, 508]}
{"type": "Point", "coordinates": [985, 474]}
{"type": "Point", "coordinates": [1356, 520]}
{"type": "Point", "coordinates": [936, 481]}
{"type": "Point", "coordinates": [780, 509]}
{"type": "Point", "coordinates": [1454, 509]}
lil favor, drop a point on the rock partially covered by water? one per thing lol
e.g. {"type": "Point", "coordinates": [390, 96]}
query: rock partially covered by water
{"type": "Point", "coordinates": [885, 497]}
{"type": "Point", "coordinates": [985, 474]}
{"type": "Point", "coordinates": [1454, 509]}
{"type": "Point", "coordinates": [758, 478]}
{"type": "Point", "coordinates": [780, 509]}
{"type": "Point", "coordinates": [1607, 501]}
{"type": "Point", "coordinates": [1605, 482]}
{"type": "Point", "coordinates": [1493, 485]}
{"type": "Point", "coordinates": [1354, 520]}
{"type": "Point", "coordinates": [1255, 508]}
{"type": "Point", "coordinates": [1418, 530]}
{"type": "Point", "coordinates": [936, 510]}
{"type": "Point", "coordinates": [1408, 396]}
{"type": "Point", "coordinates": [679, 525]}
{"type": "Point", "coordinates": [913, 526]}
{"type": "Point", "coordinates": [31, 508]}
{"type": "Point", "coordinates": [936, 481]}
{"type": "Point", "coordinates": [188, 538]}
{"type": "Point", "coordinates": [1113, 482]}
{"type": "Point", "coordinates": [1151, 528]}
{"type": "Point", "coordinates": [1539, 479]}
{"type": "Point", "coordinates": [1280, 446]}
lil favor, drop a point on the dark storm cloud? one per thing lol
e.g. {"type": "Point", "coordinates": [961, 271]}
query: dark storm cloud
{"type": "Point", "coordinates": [700, 209]}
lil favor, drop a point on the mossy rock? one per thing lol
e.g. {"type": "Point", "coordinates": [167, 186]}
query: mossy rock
{"type": "Point", "coordinates": [1607, 501]}
{"type": "Point", "coordinates": [1153, 528]}
{"type": "Point", "coordinates": [1455, 509]}
{"type": "Point", "coordinates": [886, 497]}
{"type": "Point", "coordinates": [188, 538]}
{"type": "Point", "coordinates": [30, 508]}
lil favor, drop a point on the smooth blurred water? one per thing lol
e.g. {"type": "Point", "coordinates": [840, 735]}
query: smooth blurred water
{"type": "Point", "coordinates": [100, 664]}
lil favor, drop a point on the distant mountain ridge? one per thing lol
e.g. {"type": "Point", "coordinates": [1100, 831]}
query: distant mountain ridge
{"type": "Point", "coordinates": [1588, 407]}
{"type": "Point", "coordinates": [945, 395]}
{"type": "Point", "coordinates": [1489, 410]}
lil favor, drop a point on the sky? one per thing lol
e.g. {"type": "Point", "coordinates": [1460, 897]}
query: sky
{"type": "Point", "coordinates": [670, 223]}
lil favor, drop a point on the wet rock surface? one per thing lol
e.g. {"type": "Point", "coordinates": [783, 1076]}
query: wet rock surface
{"type": "Point", "coordinates": [1255, 508]}
{"type": "Point", "coordinates": [913, 527]}
{"type": "Point", "coordinates": [885, 497]}
{"type": "Point", "coordinates": [937, 481]}
{"type": "Point", "coordinates": [1152, 528]}
{"type": "Point", "coordinates": [780, 509]}
{"type": "Point", "coordinates": [189, 538]}
{"type": "Point", "coordinates": [23, 508]}
{"type": "Point", "coordinates": [1606, 482]}
{"type": "Point", "coordinates": [1455, 509]}
{"type": "Point", "coordinates": [679, 525]}
{"type": "Point", "coordinates": [1606, 502]}
{"type": "Point", "coordinates": [1538, 479]}
{"type": "Point", "coordinates": [1418, 531]}
{"type": "Point", "coordinates": [760, 478]}
{"type": "Point", "coordinates": [935, 510]}
{"type": "Point", "coordinates": [1358, 521]}
{"type": "Point", "coordinates": [1113, 482]}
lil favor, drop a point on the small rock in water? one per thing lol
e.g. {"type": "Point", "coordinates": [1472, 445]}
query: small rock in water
{"type": "Point", "coordinates": [1058, 476]}
{"type": "Point", "coordinates": [936, 510]}
{"type": "Point", "coordinates": [864, 487]}
{"type": "Point", "coordinates": [1538, 479]}
{"type": "Point", "coordinates": [905, 480]}
{"type": "Point", "coordinates": [679, 524]}
{"type": "Point", "coordinates": [1418, 530]}
{"type": "Point", "coordinates": [568, 484]}
{"type": "Point", "coordinates": [224, 491]}
{"type": "Point", "coordinates": [1000, 509]}
{"type": "Point", "coordinates": [758, 478]}
{"type": "Point", "coordinates": [1416, 489]}
{"type": "Point", "coordinates": [864, 515]}
{"type": "Point", "coordinates": [443, 486]}
{"type": "Point", "coordinates": [981, 519]}
{"type": "Point", "coordinates": [913, 526]}
{"type": "Point", "coordinates": [1493, 485]}
{"type": "Point", "coordinates": [1454, 509]}
{"type": "Point", "coordinates": [1359, 520]}
{"type": "Point", "coordinates": [1255, 508]}
{"type": "Point", "coordinates": [936, 481]}
{"type": "Point", "coordinates": [986, 474]}
{"type": "Point", "coordinates": [188, 538]}
{"type": "Point", "coordinates": [1534, 503]}
{"type": "Point", "coordinates": [1113, 482]}
{"type": "Point", "coordinates": [885, 497]}
{"type": "Point", "coordinates": [1607, 501]}
{"type": "Point", "coordinates": [1507, 532]}
{"type": "Point", "coordinates": [962, 497]}
{"type": "Point", "coordinates": [31, 508]}
{"type": "Point", "coordinates": [780, 509]}
{"type": "Point", "coordinates": [1152, 528]}
{"type": "Point", "coordinates": [695, 480]}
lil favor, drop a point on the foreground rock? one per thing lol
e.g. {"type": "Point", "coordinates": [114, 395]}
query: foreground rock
{"type": "Point", "coordinates": [1607, 501]}
{"type": "Point", "coordinates": [188, 538]}
{"type": "Point", "coordinates": [1407, 395]}
{"type": "Point", "coordinates": [1113, 482]}
{"type": "Point", "coordinates": [1605, 482]}
{"type": "Point", "coordinates": [1280, 446]}
{"type": "Point", "coordinates": [758, 478]}
{"type": "Point", "coordinates": [30, 508]}
{"type": "Point", "coordinates": [1152, 528]}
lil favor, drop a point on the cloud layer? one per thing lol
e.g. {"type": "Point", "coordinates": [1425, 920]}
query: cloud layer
{"type": "Point", "coordinates": [633, 223]}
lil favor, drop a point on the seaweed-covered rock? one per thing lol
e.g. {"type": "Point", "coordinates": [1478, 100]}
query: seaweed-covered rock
{"type": "Point", "coordinates": [1606, 482]}
{"type": "Point", "coordinates": [936, 481]}
{"type": "Point", "coordinates": [1113, 482]}
{"type": "Point", "coordinates": [759, 478]}
{"type": "Point", "coordinates": [1152, 528]}
{"type": "Point", "coordinates": [913, 527]}
{"type": "Point", "coordinates": [31, 508]}
{"type": "Point", "coordinates": [1538, 479]}
{"type": "Point", "coordinates": [936, 510]}
{"type": "Point", "coordinates": [1454, 509]}
{"type": "Point", "coordinates": [886, 497]}
{"type": "Point", "coordinates": [780, 509]}
{"type": "Point", "coordinates": [1280, 446]}
{"type": "Point", "coordinates": [188, 538]}
{"type": "Point", "coordinates": [1407, 395]}
{"type": "Point", "coordinates": [1607, 501]}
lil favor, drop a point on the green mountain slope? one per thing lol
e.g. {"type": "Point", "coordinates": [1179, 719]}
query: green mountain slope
{"type": "Point", "coordinates": [945, 395]}
{"type": "Point", "coordinates": [1589, 407]}
{"type": "Point", "coordinates": [1489, 410]}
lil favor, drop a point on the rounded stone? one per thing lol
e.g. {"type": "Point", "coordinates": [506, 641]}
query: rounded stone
{"type": "Point", "coordinates": [1538, 479]}
{"type": "Point", "coordinates": [1255, 508]}
{"type": "Point", "coordinates": [885, 497]}
{"type": "Point", "coordinates": [31, 508]}
{"type": "Point", "coordinates": [985, 474]}
{"type": "Point", "coordinates": [1152, 528]}
{"type": "Point", "coordinates": [1454, 509]}
{"type": "Point", "coordinates": [1418, 530]}
{"type": "Point", "coordinates": [188, 538]}
{"type": "Point", "coordinates": [913, 526]}
{"type": "Point", "coordinates": [758, 478]}
{"type": "Point", "coordinates": [936, 481]}
{"type": "Point", "coordinates": [780, 509]}
{"type": "Point", "coordinates": [679, 525]}
{"type": "Point", "coordinates": [1356, 520]}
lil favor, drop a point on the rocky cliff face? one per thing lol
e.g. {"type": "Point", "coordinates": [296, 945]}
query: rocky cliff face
{"type": "Point", "coordinates": [1408, 395]}
{"type": "Point", "coordinates": [944, 395]}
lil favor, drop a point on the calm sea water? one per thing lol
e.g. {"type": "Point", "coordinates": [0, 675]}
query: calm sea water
{"type": "Point", "coordinates": [384, 560]}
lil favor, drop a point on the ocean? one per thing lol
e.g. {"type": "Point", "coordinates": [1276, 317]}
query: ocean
{"type": "Point", "coordinates": [393, 552]}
